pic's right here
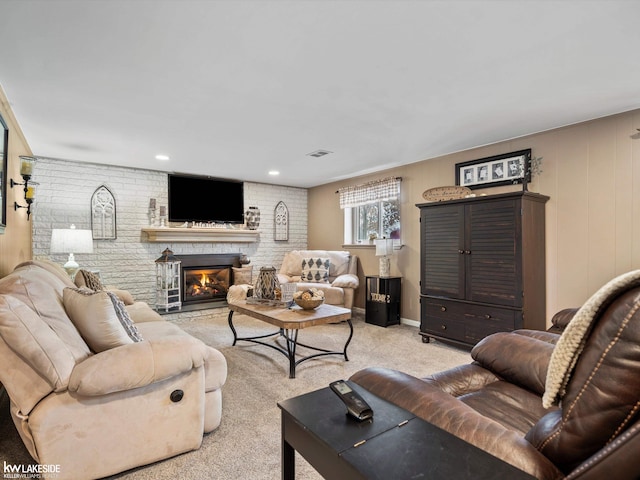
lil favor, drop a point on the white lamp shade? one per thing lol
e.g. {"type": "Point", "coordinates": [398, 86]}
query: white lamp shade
{"type": "Point", "coordinates": [384, 247]}
{"type": "Point", "coordinates": [71, 240]}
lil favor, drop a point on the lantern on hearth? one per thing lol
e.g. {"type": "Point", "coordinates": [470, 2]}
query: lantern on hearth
{"type": "Point", "coordinates": [168, 282]}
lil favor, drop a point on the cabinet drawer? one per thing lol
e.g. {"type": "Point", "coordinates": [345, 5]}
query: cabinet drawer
{"type": "Point", "coordinates": [443, 327]}
{"type": "Point", "coordinates": [439, 320]}
{"type": "Point", "coordinates": [466, 322]}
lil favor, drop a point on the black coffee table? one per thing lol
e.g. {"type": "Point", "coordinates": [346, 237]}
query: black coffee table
{"type": "Point", "coordinates": [394, 444]}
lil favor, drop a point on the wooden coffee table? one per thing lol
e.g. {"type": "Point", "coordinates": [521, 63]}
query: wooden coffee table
{"type": "Point", "coordinates": [290, 321]}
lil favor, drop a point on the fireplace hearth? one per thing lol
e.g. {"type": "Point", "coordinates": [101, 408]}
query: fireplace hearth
{"type": "Point", "coordinates": [206, 278]}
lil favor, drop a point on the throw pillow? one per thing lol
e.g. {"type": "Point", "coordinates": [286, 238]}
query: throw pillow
{"type": "Point", "coordinates": [100, 317]}
{"type": "Point", "coordinates": [243, 275]}
{"type": "Point", "coordinates": [85, 278]}
{"type": "Point", "coordinates": [291, 263]}
{"type": "Point", "coordinates": [315, 270]}
{"type": "Point", "coordinates": [347, 280]}
{"type": "Point", "coordinates": [123, 295]}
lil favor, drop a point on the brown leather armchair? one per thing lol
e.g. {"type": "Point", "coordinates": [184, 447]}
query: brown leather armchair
{"type": "Point", "coordinates": [495, 403]}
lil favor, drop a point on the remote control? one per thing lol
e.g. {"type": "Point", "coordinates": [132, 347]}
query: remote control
{"type": "Point", "coordinates": [356, 406]}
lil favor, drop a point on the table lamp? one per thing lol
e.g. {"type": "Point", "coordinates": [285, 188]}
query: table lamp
{"type": "Point", "coordinates": [384, 249]}
{"type": "Point", "coordinates": [71, 240]}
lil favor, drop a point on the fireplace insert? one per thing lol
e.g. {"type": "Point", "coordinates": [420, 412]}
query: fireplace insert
{"type": "Point", "coordinates": [205, 284]}
{"type": "Point", "coordinates": [207, 277]}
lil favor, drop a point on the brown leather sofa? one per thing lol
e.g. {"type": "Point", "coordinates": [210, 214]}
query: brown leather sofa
{"type": "Point", "coordinates": [591, 431]}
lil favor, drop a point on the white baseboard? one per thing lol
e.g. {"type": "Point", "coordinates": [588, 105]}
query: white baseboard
{"type": "Point", "coordinates": [411, 323]}
{"type": "Point", "coordinates": [404, 321]}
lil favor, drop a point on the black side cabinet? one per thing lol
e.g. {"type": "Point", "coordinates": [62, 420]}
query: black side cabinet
{"type": "Point", "coordinates": [383, 300]}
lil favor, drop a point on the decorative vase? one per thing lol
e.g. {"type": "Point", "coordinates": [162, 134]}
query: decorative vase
{"type": "Point", "coordinates": [244, 260]}
{"type": "Point", "coordinates": [266, 284]}
{"type": "Point", "coordinates": [252, 217]}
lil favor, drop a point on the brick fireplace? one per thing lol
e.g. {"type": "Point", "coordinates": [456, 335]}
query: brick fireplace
{"type": "Point", "coordinates": [206, 278]}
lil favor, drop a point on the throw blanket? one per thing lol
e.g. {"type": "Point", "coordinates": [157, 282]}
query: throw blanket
{"type": "Point", "coordinates": [237, 293]}
{"type": "Point", "coordinates": [572, 341]}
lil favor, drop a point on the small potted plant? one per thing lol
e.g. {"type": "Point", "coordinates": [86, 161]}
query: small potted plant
{"type": "Point", "coordinates": [533, 167]}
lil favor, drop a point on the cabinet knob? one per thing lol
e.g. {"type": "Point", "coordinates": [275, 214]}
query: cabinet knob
{"type": "Point", "coordinates": [444, 327]}
{"type": "Point", "coordinates": [461, 252]}
{"type": "Point", "coordinates": [487, 316]}
{"type": "Point", "coordinates": [468, 252]}
{"type": "Point", "coordinates": [443, 309]}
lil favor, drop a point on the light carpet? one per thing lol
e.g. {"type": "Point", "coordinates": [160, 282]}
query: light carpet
{"type": "Point", "coordinates": [247, 443]}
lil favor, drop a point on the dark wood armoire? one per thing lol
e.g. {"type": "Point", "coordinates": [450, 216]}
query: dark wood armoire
{"type": "Point", "coordinates": [482, 266]}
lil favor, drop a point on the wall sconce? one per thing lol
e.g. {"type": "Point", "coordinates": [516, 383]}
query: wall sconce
{"type": "Point", "coordinates": [26, 170]}
{"type": "Point", "coordinates": [384, 248]}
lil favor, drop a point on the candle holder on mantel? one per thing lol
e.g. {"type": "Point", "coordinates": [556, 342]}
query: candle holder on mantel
{"type": "Point", "coordinates": [163, 216]}
{"type": "Point", "coordinates": [152, 217]}
{"type": "Point", "coordinates": [152, 212]}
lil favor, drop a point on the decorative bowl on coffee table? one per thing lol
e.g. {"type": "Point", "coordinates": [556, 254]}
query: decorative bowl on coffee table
{"type": "Point", "coordinates": [308, 304]}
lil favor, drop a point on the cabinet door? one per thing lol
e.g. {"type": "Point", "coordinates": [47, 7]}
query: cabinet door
{"type": "Point", "coordinates": [442, 241]}
{"type": "Point", "coordinates": [493, 253]}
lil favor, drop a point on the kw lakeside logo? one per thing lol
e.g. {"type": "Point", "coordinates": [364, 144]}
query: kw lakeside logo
{"type": "Point", "coordinates": [30, 471]}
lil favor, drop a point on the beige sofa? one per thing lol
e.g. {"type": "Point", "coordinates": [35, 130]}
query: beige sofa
{"type": "Point", "coordinates": [86, 397]}
{"type": "Point", "coordinates": [342, 277]}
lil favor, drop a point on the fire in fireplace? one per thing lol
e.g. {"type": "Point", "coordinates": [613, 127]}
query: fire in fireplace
{"type": "Point", "coordinates": [206, 278]}
{"type": "Point", "coordinates": [204, 284]}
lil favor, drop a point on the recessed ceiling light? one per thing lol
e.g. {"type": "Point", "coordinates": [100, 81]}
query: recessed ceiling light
{"type": "Point", "coordinates": [274, 172]}
{"type": "Point", "coordinates": [162, 157]}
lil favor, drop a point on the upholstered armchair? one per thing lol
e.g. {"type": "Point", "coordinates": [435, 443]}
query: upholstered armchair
{"type": "Point", "coordinates": [335, 272]}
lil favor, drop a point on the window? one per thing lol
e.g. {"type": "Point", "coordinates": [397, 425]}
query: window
{"type": "Point", "coordinates": [371, 211]}
{"type": "Point", "coordinates": [376, 220]}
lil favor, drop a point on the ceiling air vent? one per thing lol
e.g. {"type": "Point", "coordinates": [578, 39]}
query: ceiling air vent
{"type": "Point", "coordinates": [319, 153]}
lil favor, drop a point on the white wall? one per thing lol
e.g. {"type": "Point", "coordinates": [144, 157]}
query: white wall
{"type": "Point", "coordinates": [63, 197]}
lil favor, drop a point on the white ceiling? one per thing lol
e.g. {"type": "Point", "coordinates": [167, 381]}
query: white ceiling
{"type": "Point", "coordinates": [236, 88]}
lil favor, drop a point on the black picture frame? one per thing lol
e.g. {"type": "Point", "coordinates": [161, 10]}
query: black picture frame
{"type": "Point", "coordinates": [4, 152]}
{"type": "Point", "coordinates": [504, 169]}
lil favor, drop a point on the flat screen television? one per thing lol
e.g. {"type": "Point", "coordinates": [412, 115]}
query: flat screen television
{"type": "Point", "coordinates": [205, 199]}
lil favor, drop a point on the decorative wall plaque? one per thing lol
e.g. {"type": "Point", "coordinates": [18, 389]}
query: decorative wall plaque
{"type": "Point", "coordinates": [281, 222]}
{"type": "Point", "coordinates": [103, 214]}
{"type": "Point", "coordinates": [441, 194]}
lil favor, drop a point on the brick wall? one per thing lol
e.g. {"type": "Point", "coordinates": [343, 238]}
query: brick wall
{"type": "Point", "coordinates": [63, 197]}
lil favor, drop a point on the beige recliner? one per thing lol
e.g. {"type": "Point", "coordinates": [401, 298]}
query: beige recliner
{"type": "Point", "coordinates": [90, 413]}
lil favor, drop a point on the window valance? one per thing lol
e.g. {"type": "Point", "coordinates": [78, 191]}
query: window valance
{"type": "Point", "coordinates": [370, 192]}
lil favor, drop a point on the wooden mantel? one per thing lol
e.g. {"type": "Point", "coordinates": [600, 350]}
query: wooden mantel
{"type": "Point", "coordinates": [189, 235]}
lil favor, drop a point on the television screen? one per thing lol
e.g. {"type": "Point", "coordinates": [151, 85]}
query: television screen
{"type": "Point", "coordinates": [205, 199]}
